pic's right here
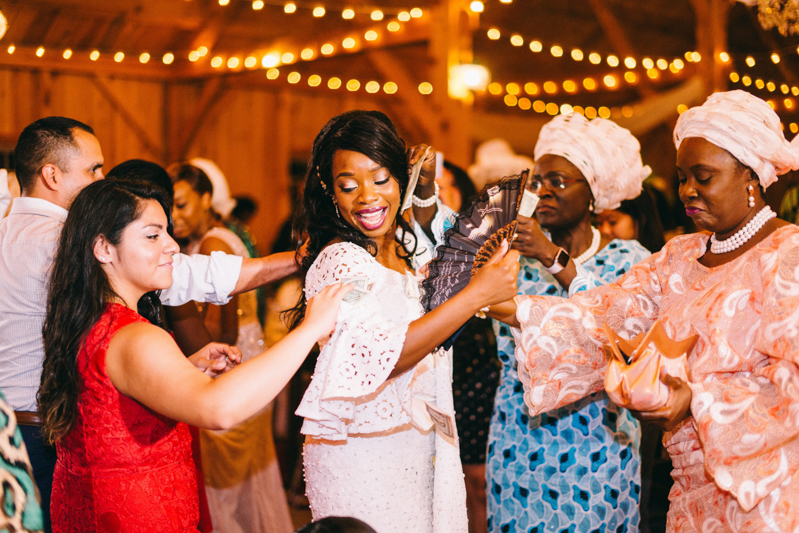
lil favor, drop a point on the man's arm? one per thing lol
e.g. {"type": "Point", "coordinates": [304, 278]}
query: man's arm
{"type": "Point", "coordinates": [263, 270]}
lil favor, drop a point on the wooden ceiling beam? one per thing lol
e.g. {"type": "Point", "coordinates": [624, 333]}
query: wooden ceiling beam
{"type": "Point", "coordinates": [618, 39]}
{"type": "Point", "coordinates": [416, 105]}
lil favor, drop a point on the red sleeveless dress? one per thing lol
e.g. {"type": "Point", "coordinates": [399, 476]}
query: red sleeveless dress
{"type": "Point", "coordinates": [122, 468]}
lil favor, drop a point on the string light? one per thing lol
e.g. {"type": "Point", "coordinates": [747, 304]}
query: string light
{"type": "Point", "coordinates": [577, 54]}
{"type": "Point", "coordinates": [630, 77]}
{"type": "Point", "coordinates": [217, 62]}
{"type": "Point", "coordinates": [682, 108]}
{"type": "Point", "coordinates": [353, 85]}
{"type": "Point", "coordinates": [258, 5]}
{"type": "Point", "coordinates": [376, 15]}
{"type": "Point", "coordinates": [417, 13]}
{"type": "Point", "coordinates": [318, 11]}
{"type": "Point", "coordinates": [613, 61]}
{"type": "Point", "coordinates": [566, 109]}
{"type": "Point", "coordinates": [404, 16]}
{"type": "Point", "coordinates": [629, 62]}
{"type": "Point", "coordinates": [233, 62]}
{"type": "Point", "coordinates": [610, 81]}
{"type": "Point", "coordinates": [531, 88]}
{"type": "Point", "coordinates": [293, 77]}
{"type": "Point", "coordinates": [203, 51]}
{"type": "Point", "coordinates": [67, 53]}
{"type": "Point", "coordinates": [775, 58]}
{"type": "Point", "coordinates": [476, 6]}
{"type": "Point", "coordinates": [393, 26]}
{"type": "Point", "coordinates": [270, 60]}
{"type": "Point", "coordinates": [250, 62]}
{"type": "Point", "coordinates": [306, 54]}
{"type": "Point", "coordinates": [594, 58]}
{"type": "Point", "coordinates": [327, 49]}
{"type": "Point", "coordinates": [315, 80]}
{"type": "Point", "coordinates": [194, 55]}
{"type": "Point", "coordinates": [550, 87]}
{"type": "Point", "coordinates": [272, 73]}
{"type": "Point", "coordinates": [287, 58]}
{"type": "Point", "coordinates": [144, 58]}
{"type": "Point", "coordinates": [771, 87]}
{"type": "Point", "coordinates": [725, 57]}
{"type": "Point", "coordinates": [11, 48]}
{"type": "Point", "coordinates": [167, 59]}
{"type": "Point", "coordinates": [524, 103]}
{"type": "Point", "coordinates": [513, 88]}
{"type": "Point", "coordinates": [348, 14]}
{"type": "Point", "coordinates": [119, 56]}
{"type": "Point", "coordinates": [390, 87]}
{"type": "Point", "coordinates": [510, 100]}
{"type": "Point", "coordinates": [348, 43]}
{"type": "Point", "coordinates": [493, 34]}
{"type": "Point", "coordinates": [425, 88]}
{"type": "Point", "coordinates": [556, 51]}
{"type": "Point", "coordinates": [647, 63]}
{"type": "Point", "coordinates": [370, 35]}
{"type": "Point", "coordinates": [569, 86]}
{"type": "Point", "coordinates": [750, 61]}
{"type": "Point", "coordinates": [372, 87]}
{"type": "Point", "coordinates": [589, 84]}
{"type": "Point", "coordinates": [662, 64]}
{"type": "Point", "coordinates": [290, 8]}
{"type": "Point", "coordinates": [517, 40]}
{"type": "Point", "coordinates": [334, 83]}
{"type": "Point", "coordinates": [40, 51]}
{"type": "Point", "coordinates": [536, 46]}
{"type": "Point", "coordinates": [224, 2]}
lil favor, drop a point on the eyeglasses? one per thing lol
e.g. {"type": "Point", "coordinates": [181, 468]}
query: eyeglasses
{"type": "Point", "coordinates": [552, 182]}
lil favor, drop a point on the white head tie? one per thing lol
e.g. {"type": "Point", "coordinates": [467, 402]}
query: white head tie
{"type": "Point", "coordinates": [495, 159]}
{"type": "Point", "coordinates": [607, 154]}
{"type": "Point", "coordinates": [747, 128]}
{"type": "Point", "coordinates": [221, 201]}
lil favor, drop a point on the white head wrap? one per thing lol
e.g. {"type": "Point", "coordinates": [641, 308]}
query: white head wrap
{"type": "Point", "coordinates": [221, 201]}
{"type": "Point", "coordinates": [747, 128]}
{"type": "Point", "coordinates": [607, 154]}
{"type": "Point", "coordinates": [495, 159]}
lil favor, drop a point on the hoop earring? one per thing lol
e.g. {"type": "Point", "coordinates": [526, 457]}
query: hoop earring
{"type": "Point", "coordinates": [751, 189]}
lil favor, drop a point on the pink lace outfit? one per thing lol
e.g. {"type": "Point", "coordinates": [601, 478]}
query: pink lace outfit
{"type": "Point", "coordinates": [736, 458]}
{"type": "Point", "coordinates": [369, 451]}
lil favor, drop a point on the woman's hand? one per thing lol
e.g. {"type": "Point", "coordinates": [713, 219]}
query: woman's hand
{"type": "Point", "coordinates": [531, 242]}
{"type": "Point", "coordinates": [495, 281]}
{"type": "Point", "coordinates": [216, 358]}
{"type": "Point", "coordinates": [321, 311]}
{"type": "Point", "coordinates": [677, 407]}
{"type": "Point", "coordinates": [428, 175]}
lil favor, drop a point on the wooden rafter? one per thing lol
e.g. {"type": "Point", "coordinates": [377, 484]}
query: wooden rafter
{"type": "Point", "coordinates": [618, 38]}
{"type": "Point", "coordinates": [213, 91]}
{"type": "Point", "coordinates": [120, 108]}
{"type": "Point", "coordinates": [787, 74]}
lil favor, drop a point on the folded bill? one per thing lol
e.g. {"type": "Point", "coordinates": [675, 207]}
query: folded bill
{"type": "Point", "coordinates": [362, 287]}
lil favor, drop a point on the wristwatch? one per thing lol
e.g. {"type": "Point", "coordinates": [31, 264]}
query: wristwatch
{"type": "Point", "coordinates": [561, 260]}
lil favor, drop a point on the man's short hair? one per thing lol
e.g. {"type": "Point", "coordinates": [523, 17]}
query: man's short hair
{"type": "Point", "coordinates": [140, 170]}
{"type": "Point", "coordinates": [49, 140]}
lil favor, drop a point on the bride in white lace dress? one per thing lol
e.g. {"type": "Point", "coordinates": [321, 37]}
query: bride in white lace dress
{"type": "Point", "coordinates": [372, 450]}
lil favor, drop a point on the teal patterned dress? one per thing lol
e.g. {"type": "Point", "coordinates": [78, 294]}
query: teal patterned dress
{"type": "Point", "coordinates": [575, 469]}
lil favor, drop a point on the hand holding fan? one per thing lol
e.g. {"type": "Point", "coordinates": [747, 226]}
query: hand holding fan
{"type": "Point", "coordinates": [476, 234]}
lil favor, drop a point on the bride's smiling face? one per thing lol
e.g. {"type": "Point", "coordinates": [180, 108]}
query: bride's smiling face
{"type": "Point", "coordinates": [367, 195]}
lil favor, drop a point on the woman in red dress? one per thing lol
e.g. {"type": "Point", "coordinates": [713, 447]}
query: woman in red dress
{"type": "Point", "coordinates": [116, 391]}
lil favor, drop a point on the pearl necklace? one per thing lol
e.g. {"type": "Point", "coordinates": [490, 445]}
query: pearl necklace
{"type": "Point", "coordinates": [742, 235]}
{"type": "Point", "coordinates": [592, 250]}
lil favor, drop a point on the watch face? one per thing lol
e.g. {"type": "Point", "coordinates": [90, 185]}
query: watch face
{"type": "Point", "coordinates": [562, 258]}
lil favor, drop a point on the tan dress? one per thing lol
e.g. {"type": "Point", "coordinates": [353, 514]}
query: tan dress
{"type": "Point", "coordinates": [240, 466]}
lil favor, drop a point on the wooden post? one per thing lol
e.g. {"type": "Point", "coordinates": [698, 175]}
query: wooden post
{"type": "Point", "coordinates": [711, 39]}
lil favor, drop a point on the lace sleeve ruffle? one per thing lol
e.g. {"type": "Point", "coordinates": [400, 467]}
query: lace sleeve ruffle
{"type": "Point", "coordinates": [560, 344]}
{"type": "Point", "coordinates": [349, 391]}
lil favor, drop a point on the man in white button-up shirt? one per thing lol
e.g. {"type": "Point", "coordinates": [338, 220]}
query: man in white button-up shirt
{"type": "Point", "coordinates": [56, 158]}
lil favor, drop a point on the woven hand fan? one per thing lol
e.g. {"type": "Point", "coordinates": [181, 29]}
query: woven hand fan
{"type": "Point", "coordinates": [477, 233]}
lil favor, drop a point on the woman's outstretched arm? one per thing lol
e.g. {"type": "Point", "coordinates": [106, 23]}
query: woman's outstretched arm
{"type": "Point", "coordinates": [145, 364]}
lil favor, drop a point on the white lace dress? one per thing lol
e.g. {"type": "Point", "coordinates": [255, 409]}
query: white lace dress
{"type": "Point", "coordinates": [370, 450]}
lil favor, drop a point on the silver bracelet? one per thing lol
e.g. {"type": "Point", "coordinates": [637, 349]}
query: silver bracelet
{"type": "Point", "coordinates": [427, 202]}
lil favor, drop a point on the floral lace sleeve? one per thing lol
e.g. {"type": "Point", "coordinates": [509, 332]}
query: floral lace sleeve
{"type": "Point", "coordinates": [560, 344]}
{"type": "Point", "coordinates": [349, 391]}
{"type": "Point", "coordinates": [748, 422]}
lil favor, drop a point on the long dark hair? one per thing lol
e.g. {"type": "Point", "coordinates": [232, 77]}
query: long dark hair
{"type": "Point", "coordinates": [642, 209]}
{"type": "Point", "coordinates": [372, 134]}
{"type": "Point", "coordinates": [79, 291]}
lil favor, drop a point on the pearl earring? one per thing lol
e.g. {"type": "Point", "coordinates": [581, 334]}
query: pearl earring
{"type": "Point", "coordinates": [751, 189]}
{"type": "Point", "coordinates": [591, 206]}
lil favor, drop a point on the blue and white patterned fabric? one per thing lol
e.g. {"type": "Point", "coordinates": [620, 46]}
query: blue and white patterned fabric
{"type": "Point", "coordinates": [574, 469]}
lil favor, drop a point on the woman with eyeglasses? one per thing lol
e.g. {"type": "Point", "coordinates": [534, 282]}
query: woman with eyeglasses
{"type": "Point", "coordinates": [578, 465]}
